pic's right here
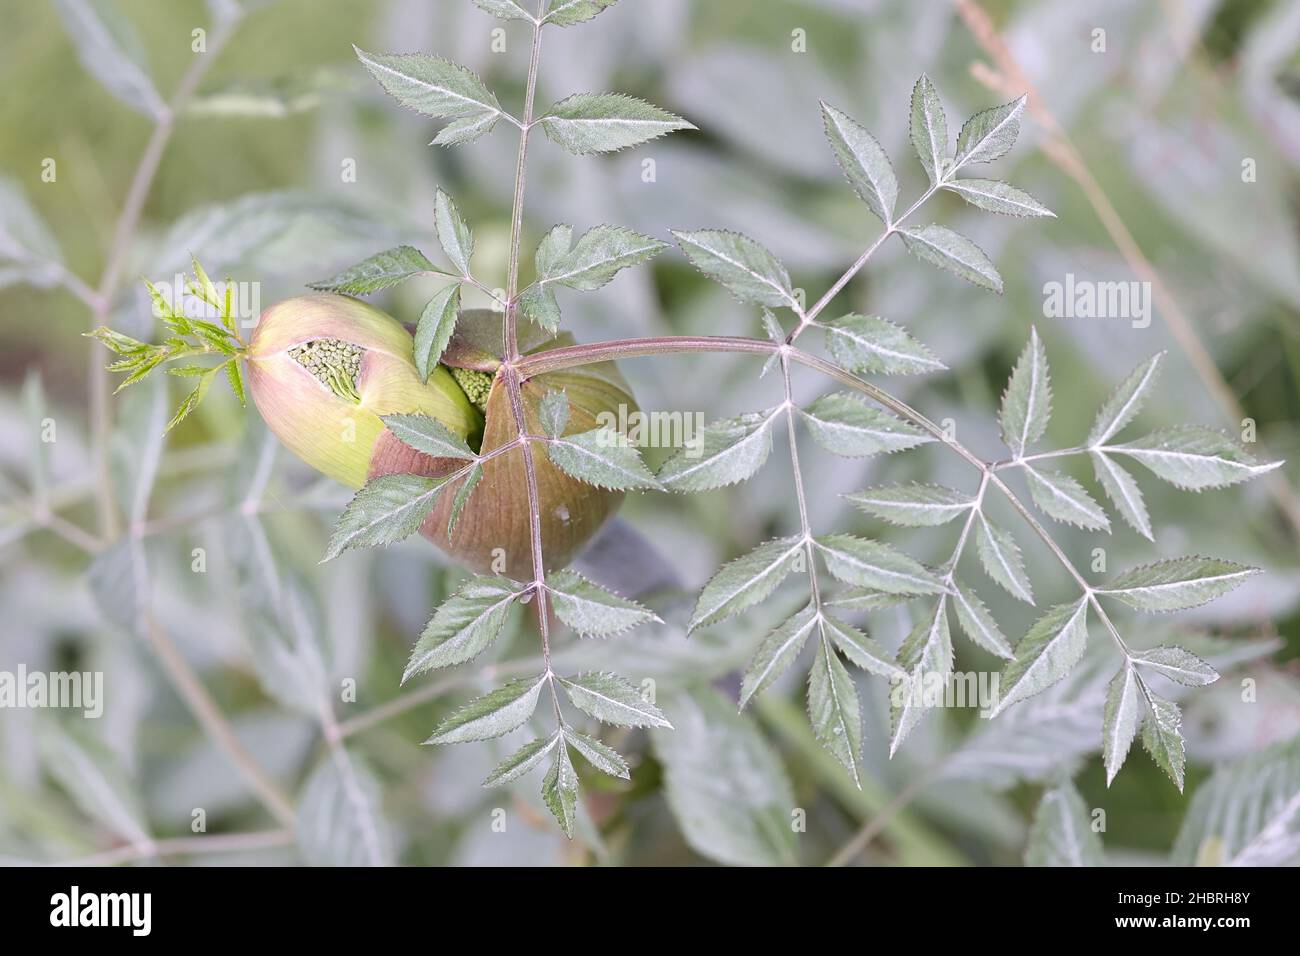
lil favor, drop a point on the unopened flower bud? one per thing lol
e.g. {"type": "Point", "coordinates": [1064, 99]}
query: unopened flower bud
{"type": "Point", "coordinates": [324, 368]}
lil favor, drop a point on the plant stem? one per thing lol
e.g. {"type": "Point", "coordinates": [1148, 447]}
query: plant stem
{"type": "Point", "coordinates": [557, 359]}
{"type": "Point", "coordinates": [430, 692]}
{"type": "Point", "coordinates": [884, 817]}
{"type": "Point", "coordinates": [805, 526]}
{"type": "Point", "coordinates": [209, 716]}
{"type": "Point", "coordinates": [914, 842]}
{"type": "Point", "coordinates": [186, 846]}
{"type": "Point", "coordinates": [810, 317]}
{"type": "Point", "coordinates": [975, 510]}
{"type": "Point", "coordinates": [351, 783]}
{"type": "Point", "coordinates": [511, 377]}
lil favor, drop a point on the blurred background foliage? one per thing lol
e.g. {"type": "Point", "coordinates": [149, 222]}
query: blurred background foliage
{"type": "Point", "coordinates": [251, 183]}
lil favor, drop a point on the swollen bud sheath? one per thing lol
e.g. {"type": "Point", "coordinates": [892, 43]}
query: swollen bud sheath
{"type": "Point", "coordinates": [323, 369]}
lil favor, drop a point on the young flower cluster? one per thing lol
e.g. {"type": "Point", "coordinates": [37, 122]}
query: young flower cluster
{"type": "Point", "coordinates": [334, 363]}
{"type": "Point", "coordinates": [475, 384]}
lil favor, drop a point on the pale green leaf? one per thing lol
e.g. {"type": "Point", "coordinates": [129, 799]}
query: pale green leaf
{"type": "Point", "coordinates": [913, 505]}
{"type": "Point", "coordinates": [603, 758]}
{"type": "Point", "coordinates": [746, 581]}
{"type": "Point", "coordinates": [834, 710]}
{"type": "Point", "coordinates": [994, 196]}
{"type": "Point", "coordinates": [461, 131]}
{"type": "Point", "coordinates": [92, 775]}
{"type": "Point", "coordinates": [1001, 558]}
{"type": "Point", "coordinates": [560, 791]}
{"type": "Point", "coordinates": [745, 268]}
{"type": "Point", "coordinates": [612, 700]}
{"type": "Point", "coordinates": [522, 761]}
{"type": "Point", "coordinates": [929, 129]}
{"type": "Point", "coordinates": [1062, 833]}
{"type": "Point", "coordinates": [978, 623]}
{"type": "Point", "coordinates": [565, 13]}
{"type": "Point", "coordinates": [1194, 458]}
{"type": "Point", "coordinates": [380, 271]}
{"type": "Point", "coordinates": [437, 323]}
{"type": "Point", "coordinates": [591, 610]}
{"type": "Point", "coordinates": [453, 233]}
{"type": "Point", "coordinates": [722, 453]}
{"type": "Point", "coordinates": [1123, 493]}
{"type": "Point", "coordinates": [386, 509]}
{"type": "Point", "coordinates": [870, 344]}
{"type": "Point", "coordinates": [989, 134]}
{"type": "Point", "coordinates": [553, 411]}
{"type": "Point", "coordinates": [926, 657]}
{"type": "Point", "coordinates": [539, 305]}
{"type": "Point", "coordinates": [601, 457]}
{"type": "Point", "coordinates": [848, 426]}
{"type": "Point", "coordinates": [942, 247]}
{"type": "Point", "coordinates": [433, 86]}
{"type": "Point", "coordinates": [777, 652]}
{"type": "Point", "coordinates": [506, 9]}
{"type": "Point", "coordinates": [1064, 499]}
{"type": "Point", "coordinates": [429, 436]}
{"type": "Point", "coordinates": [463, 493]}
{"type": "Point", "coordinates": [1177, 583]}
{"type": "Point", "coordinates": [1125, 402]}
{"type": "Point", "coordinates": [1177, 664]}
{"type": "Point", "coordinates": [604, 122]}
{"type": "Point", "coordinates": [867, 599]}
{"type": "Point", "coordinates": [1162, 737]}
{"type": "Point", "coordinates": [874, 564]}
{"type": "Point", "coordinates": [1247, 814]}
{"type": "Point", "coordinates": [491, 715]}
{"type": "Point", "coordinates": [724, 783]}
{"type": "Point", "coordinates": [110, 49]}
{"type": "Point", "coordinates": [1027, 401]}
{"type": "Point", "coordinates": [553, 249]}
{"type": "Point", "coordinates": [1046, 654]}
{"type": "Point", "coordinates": [340, 816]}
{"type": "Point", "coordinates": [864, 161]}
{"type": "Point", "coordinates": [30, 253]}
{"type": "Point", "coordinates": [1120, 719]}
{"type": "Point", "coordinates": [860, 649]}
{"type": "Point", "coordinates": [598, 256]}
{"type": "Point", "coordinates": [464, 626]}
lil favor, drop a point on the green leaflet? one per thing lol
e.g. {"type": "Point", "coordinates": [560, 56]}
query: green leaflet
{"type": "Point", "coordinates": [848, 426]}
{"type": "Point", "coordinates": [989, 134]}
{"type": "Point", "coordinates": [1178, 583]}
{"type": "Point", "coordinates": [491, 715]}
{"type": "Point", "coordinates": [606, 122]}
{"type": "Point", "coordinates": [591, 610]}
{"type": "Point", "coordinates": [381, 271]}
{"type": "Point", "coordinates": [1062, 833]}
{"type": "Point", "coordinates": [868, 343]}
{"type": "Point", "coordinates": [386, 509]}
{"type": "Point", "coordinates": [1027, 402]}
{"type": "Point", "coordinates": [864, 161]}
{"type": "Point", "coordinates": [834, 710]}
{"type": "Point", "coordinates": [723, 453]}
{"type": "Point", "coordinates": [1046, 654]}
{"type": "Point", "coordinates": [464, 626]}
{"type": "Point", "coordinates": [746, 581]}
{"type": "Point", "coordinates": [612, 700]}
{"type": "Point", "coordinates": [744, 267]}
{"type": "Point", "coordinates": [601, 457]}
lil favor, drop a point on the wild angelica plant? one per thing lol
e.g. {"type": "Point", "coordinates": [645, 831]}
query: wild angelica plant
{"type": "Point", "coordinates": [862, 420]}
